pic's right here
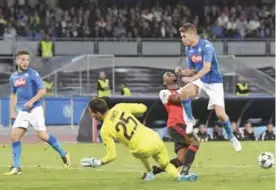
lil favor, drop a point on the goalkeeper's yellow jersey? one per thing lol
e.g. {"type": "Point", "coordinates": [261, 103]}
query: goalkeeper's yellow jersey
{"type": "Point", "coordinates": [120, 124]}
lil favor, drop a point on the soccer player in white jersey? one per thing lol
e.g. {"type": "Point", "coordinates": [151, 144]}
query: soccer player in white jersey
{"type": "Point", "coordinates": [203, 74]}
{"type": "Point", "coordinates": [27, 91]}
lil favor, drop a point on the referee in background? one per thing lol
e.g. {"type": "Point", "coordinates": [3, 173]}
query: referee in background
{"type": "Point", "coordinates": [242, 87]}
{"type": "Point", "coordinates": [103, 86]}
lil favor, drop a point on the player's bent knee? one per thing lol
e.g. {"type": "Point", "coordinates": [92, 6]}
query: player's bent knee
{"type": "Point", "coordinates": [188, 91]}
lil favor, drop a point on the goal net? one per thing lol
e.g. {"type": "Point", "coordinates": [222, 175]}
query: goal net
{"type": "Point", "coordinates": [233, 68]}
{"type": "Point", "coordinates": [80, 75]}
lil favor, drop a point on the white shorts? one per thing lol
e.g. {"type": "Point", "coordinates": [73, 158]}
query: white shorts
{"type": "Point", "coordinates": [214, 91]}
{"type": "Point", "coordinates": [35, 118]}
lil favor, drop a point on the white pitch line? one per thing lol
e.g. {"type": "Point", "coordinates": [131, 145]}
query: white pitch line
{"type": "Point", "coordinates": [206, 166]}
{"type": "Point", "coordinates": [224, 166]}
{"type": "Point", "coordinates": [58, 167]}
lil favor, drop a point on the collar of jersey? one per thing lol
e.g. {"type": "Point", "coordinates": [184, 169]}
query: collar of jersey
{"type": "Point", "coordinates": [173, 88]}
{"type": "Point", "coordinates": [22, 71]}
{"type": "Point", "coordinates": [196, 44]}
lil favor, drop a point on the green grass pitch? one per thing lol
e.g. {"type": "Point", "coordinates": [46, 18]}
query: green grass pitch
{"type": "Point", "coordinates": [219, 168]}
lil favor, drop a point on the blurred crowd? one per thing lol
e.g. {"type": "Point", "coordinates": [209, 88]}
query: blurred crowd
{"type": "Point", "coordinates": [245, 134]}
{"type": "Point", "coordinates": [154, 19]}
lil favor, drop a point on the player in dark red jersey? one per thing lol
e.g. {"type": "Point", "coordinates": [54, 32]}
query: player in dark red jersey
{"type": "Point", "coordinates": [185, 145]}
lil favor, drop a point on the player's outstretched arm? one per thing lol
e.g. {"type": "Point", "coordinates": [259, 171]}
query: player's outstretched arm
{"type": "Point", "coordinates": [134, 108]}
{"type": "Point", "coordinates": [109, 157]}
{"type": "Point", "coordinates": [109, 143]}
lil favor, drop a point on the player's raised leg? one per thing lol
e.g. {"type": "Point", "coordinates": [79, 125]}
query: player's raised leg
{"type": "Point", "coordinates": [54, 143]}
{"type": "Point", "coordinates": [186, 93]}
{"type": "Point", "coordinates": [16, 135]}
{"type": "Point", "coordinates": [41, 132]}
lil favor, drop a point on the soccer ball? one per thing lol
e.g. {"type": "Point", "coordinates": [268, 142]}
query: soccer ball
{"type": "Point", "coordinates": [266, 160]}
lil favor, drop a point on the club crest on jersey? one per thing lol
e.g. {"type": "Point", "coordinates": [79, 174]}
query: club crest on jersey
{"type": "Point", "coordinates": [196, 58]}
{"type": "Point", "coordinates": [20, 82]}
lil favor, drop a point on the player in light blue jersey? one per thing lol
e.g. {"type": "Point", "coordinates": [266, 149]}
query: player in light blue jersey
{"type": "Point", "coordinates": [27, 90]}
{"type": "Point", "coordinates": [203, 74]}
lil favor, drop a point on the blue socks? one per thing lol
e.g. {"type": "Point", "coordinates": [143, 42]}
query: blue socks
{"type": "Point", "coordinates": [56, 145]}
{"type": "Point", "coordinates": [16, 150]}
{"type": "Point", "coordinates": [227, 126]}
{"type": "Point", "coordinates": [187, 104]}
{"type": "Point", "coordinates": [16, 153]}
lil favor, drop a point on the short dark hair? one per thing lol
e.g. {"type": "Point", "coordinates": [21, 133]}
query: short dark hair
{"type": "Point", "coordinates": [188, 27]}
{"type": "Point", "coordinates": [98, 105]}
{"type": "Point", "coordinates": [22, 52]}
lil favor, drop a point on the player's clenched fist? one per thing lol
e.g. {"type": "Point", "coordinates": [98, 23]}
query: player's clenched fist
{"type": "Point", "coordinates": [178, 71]}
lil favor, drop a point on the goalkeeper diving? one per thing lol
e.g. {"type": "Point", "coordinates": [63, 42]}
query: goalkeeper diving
{"type": "Point", "coordinates": [120, 124]}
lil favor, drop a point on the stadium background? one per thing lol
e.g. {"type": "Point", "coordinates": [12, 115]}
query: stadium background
{"type": "Point", "coordinates": [135, 42]}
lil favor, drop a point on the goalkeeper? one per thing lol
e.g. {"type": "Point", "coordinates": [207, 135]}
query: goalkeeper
{"type": "Point", "coordinates": [119, 123]}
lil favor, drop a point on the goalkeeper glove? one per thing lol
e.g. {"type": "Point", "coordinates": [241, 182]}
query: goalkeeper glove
{"type": "Point", "coordinates": [91, 162]}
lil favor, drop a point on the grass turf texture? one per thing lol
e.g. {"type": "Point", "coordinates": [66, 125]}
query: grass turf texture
{"type": "Point", "coordinates": [219, 168]}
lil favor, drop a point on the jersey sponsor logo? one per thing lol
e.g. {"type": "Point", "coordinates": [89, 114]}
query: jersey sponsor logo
{"type": "Point", "coordinates": [196, 58]}
{"type": "Point", "coordinates": [20, 82]}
